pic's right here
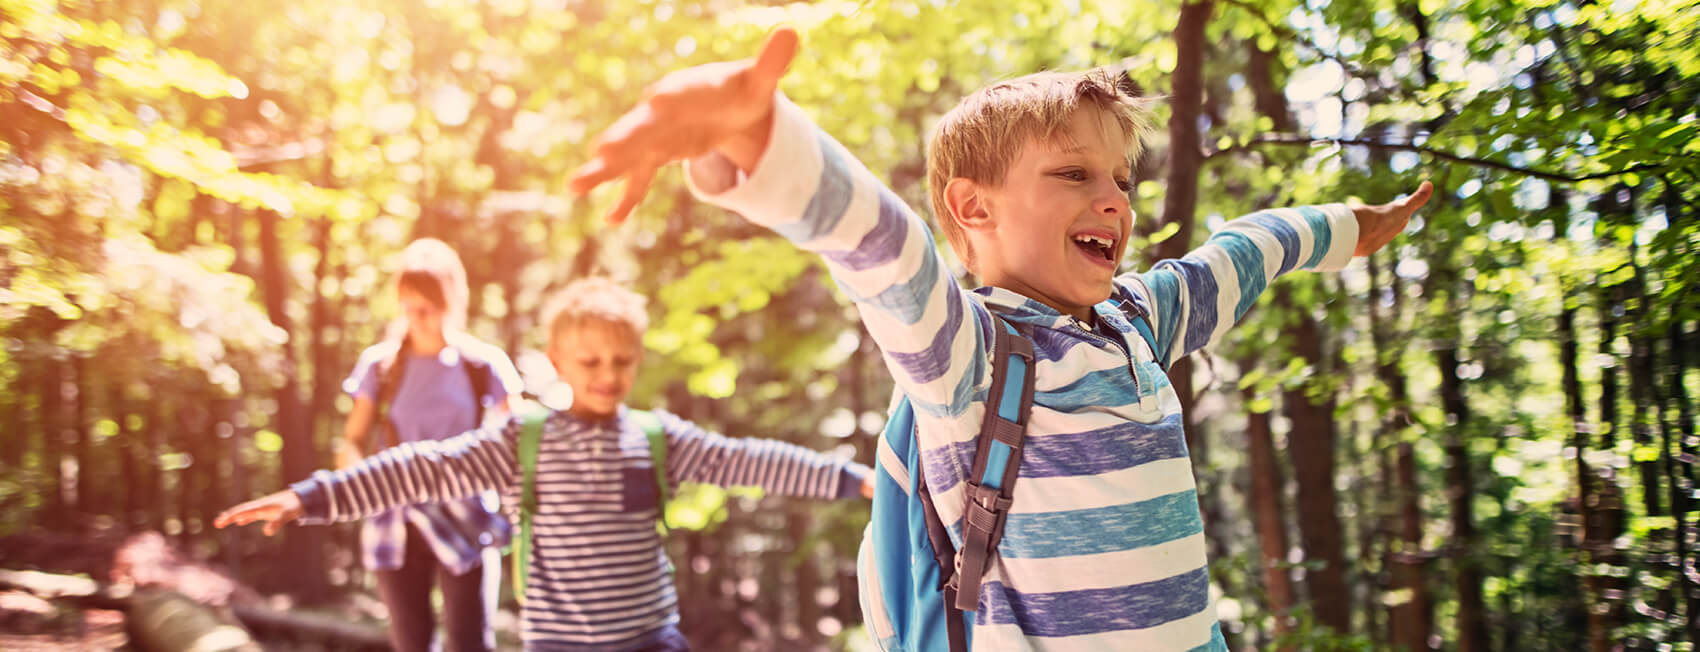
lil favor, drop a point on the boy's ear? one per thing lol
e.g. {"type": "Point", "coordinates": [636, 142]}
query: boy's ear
{"type": "Point", "coordinates": [967, 204]}
{"type": "Point", "coordinates": [554, 352]}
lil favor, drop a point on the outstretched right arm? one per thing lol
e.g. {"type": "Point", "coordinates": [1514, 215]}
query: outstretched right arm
{"type": "Point", "coordinates": [753, 152]}
{"type": "Point", "coordinates": [416, 472]}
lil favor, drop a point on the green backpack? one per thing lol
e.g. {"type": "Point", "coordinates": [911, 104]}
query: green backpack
{"type": "Point", "coordinates": [530, 436]}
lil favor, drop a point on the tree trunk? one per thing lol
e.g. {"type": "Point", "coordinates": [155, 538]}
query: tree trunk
{"type": "Point", "coordinates": [154, 476]}
{"type": "Point", "coordinates": [1460, 490]}
{"type": "Point", "coordinates": [323, 388]}
{"type": "Point", "coordinates": [16, 401]}
{"type": "Point", "coordinates": [1411, 614]}
{"type": "Point", "coordinates": [85, 501]}
{"type": "Point", "coordinates": [1312, 440]}
{"type": "Point", "coordinates": [1180, 202]}
{"type": "Point", "coordinates": [1641, 390]}
{"type": "Point", "coordinates": [1268, 502]}
{"type": "Point", "coordinates": [1310, 448]}
{"type": "Point", "coordinates": [302, 546]}
{"type": "Point", "coordinates": [52, 438]}
{"type": "Point", "coordinates": [187, 475]}
{"type": "Point", "coordinates": [128, 453]}
{"type": "Point", "coordinates": [1682, 484]}
{"type": "Point", "coordinates": [1186, 157]}
{"type": "Point", "coordinates": [1606, 517]}
{"type": "Point", "coordinates": [1413, 620]}
{"type": "Point", "coordinates": [1599, 628]}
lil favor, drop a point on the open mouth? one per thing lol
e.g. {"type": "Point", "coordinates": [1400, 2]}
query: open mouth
{"type": "Point", "coordinates": [1097, 246]}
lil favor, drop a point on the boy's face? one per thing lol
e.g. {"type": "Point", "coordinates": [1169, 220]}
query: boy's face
{"type": "Point", "coordinates": [599, 359]}
{"type": "Point", "coordinates": [1056, 227]}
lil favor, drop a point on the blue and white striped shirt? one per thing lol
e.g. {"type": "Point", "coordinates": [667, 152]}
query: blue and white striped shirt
{"type": "Point", "coordinates": [1104, 547]}
{"type": "Point", "coordinates": [598, 578]}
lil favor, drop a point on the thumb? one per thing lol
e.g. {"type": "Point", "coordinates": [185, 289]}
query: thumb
{"type": "Point", "coordinates": [776, 55]}
{"type": "Point", "coordinates": [1417, 199]}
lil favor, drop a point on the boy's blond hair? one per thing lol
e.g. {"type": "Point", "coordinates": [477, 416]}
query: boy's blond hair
{"type": "Point", "coordinates": [980, 138]}
{"type": "Point", "coordinates": [596, 298]}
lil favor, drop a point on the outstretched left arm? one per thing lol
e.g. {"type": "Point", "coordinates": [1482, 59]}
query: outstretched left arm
{"type": "Point", "coordinates": [696, 455]}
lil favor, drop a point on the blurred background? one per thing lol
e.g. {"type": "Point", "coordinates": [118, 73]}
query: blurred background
{"type": "Point", "coordinates": [1482, 438]}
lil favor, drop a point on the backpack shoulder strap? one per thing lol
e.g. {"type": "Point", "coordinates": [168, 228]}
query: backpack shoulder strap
{"type": "Point", "coordinates": [393, 370]}
{"type": "Point", "coordinates": [533, 415]}
{"type": "Point", "coordinates": [657, 438]}
{"type": "Point", "coordinates": [1141, 318]}
{"type": "Point", "coordinates": [997, 459]}
{"type": "Point", "coordinates": [478, 375]}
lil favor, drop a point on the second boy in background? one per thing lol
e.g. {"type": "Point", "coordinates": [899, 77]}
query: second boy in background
{"type": "Point", "coordinates": [598, 575]}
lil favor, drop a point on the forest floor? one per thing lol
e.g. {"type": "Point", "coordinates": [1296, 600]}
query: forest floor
{"type": "Point", "coordinates": [56, 594]}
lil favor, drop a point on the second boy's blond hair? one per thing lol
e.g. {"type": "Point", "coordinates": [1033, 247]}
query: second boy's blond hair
{"type": "Point", "coordinates": [596, 298]}
{"type": "Point", "coordinates": [980, 138]}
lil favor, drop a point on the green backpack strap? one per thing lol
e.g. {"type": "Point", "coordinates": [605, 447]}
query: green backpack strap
{"type": "Point", "coordinates": [657, 437]}
{"type": "Point", "coordinates": [533, 416]}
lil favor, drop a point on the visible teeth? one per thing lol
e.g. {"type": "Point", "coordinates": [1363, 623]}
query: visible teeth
{"type": "Point", "coordinates": [1093, 240]}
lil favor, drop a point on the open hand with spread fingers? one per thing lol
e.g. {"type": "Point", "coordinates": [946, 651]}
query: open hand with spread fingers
{"type": "Point", "coordinates": [725, 107]}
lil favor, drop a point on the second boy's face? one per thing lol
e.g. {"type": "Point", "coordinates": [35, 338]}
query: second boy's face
{"type": "Point", "coordinates": [599, 360]}
{"type": "Point", "coordinates": [1059, 223]}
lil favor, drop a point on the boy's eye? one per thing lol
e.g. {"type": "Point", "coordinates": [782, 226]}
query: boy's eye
{"type": "Point", "coordinates": [1125, 185]}
{"type": "Point", "coordinates": [1073, 175]}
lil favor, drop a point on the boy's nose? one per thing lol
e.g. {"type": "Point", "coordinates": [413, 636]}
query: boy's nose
{"type": "Point", "coordinates": [1112, 203]}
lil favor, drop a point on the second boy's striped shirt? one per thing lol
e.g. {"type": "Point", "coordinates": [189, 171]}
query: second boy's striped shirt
{"type": "Point", "coordinates": [598, 578]}
{"type": "Point", "coordinates": [1104, 547]}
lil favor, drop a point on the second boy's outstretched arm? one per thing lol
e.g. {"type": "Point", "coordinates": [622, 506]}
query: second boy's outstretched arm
{"type": "Point", "coordinates": [697, 455]}
{"type": "Point", "coordinates": [412, 473]}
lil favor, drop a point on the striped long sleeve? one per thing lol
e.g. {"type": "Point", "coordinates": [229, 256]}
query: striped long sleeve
{"type": "Point", "coordinates": [696, 455]}
{"type": "Point", "coordinates": [412, 473]}
{"type": "Point", "coordinates": [1196, 299]}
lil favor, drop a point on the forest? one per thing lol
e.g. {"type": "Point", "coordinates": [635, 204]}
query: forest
{"type": "Point", "coordinates": [1480, 438]}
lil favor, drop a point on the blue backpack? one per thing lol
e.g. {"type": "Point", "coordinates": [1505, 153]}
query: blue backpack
{"type": "Point", "coordinates": [918, 592]}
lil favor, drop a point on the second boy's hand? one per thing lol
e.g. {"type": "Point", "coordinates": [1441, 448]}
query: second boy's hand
{"type": "Point", "coordinates": [725, 107]}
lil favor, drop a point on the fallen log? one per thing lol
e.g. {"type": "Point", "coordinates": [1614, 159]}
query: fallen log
{"type": "Point", "coordinates": [326, 630]}
{"type": "Point", "coordinates": [166, 620]}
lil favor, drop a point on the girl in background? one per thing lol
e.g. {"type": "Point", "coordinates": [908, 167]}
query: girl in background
{"type": "Point", "coordinates": [430, 380]}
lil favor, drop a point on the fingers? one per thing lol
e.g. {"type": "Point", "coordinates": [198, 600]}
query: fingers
{"type": "Point", "coordinates": [1417, 199]}
{"type": "Point", "coordinates": [617, 149]}
{"type": "Point", "coordinates": [590, 175]}
{"type": "Point", "coordinates": [241, 515]}
{"type": "Point", "coordinates": [637, 185]}
{"type": "Point", "coordinates": [776, 55]}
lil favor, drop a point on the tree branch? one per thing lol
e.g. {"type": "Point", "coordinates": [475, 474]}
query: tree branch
{"type": "Point", "coordinates": [1294, 36]}
{"type": "Point", "coordinates": [1292, 139]}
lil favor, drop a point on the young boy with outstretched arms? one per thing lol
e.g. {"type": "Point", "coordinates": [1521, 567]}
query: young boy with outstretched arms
{"type": "Point", "coordinates": [598, 577]}
{"type": "Point", "coordinates": [1103, 547]}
